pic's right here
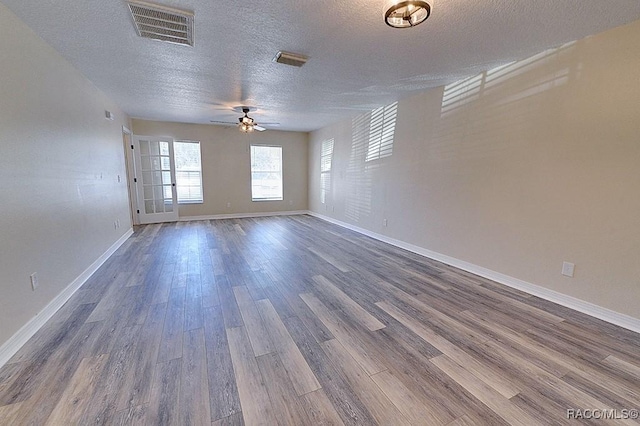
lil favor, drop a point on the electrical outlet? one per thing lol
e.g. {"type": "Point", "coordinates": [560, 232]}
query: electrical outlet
{"type": "Point", "coordinates": [115, 224]}
{"type": "Point", "coordinates": [34, 281]}
{"type": "Point", "coordinates": [567, 269]}
{"type": "Point", "coordinates": [384, 222]}
{"type": "Point", "coordinates": [228, 205]}
{"type": "Point", "coordinates": [118, 178]}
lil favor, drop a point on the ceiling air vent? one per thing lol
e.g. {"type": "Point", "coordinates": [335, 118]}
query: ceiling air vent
{"type": "Point", "coordinates": [162, 23]}
{"type": "Point", "coordinates": [288, 58]}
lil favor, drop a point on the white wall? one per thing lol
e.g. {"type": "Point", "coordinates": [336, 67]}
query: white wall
{"type": "Point", "coordinates": [226, 166]}
{"type": "Point", "coordinates": [59, 166]}
{"type": "Point", "coordinates": [537, 164]}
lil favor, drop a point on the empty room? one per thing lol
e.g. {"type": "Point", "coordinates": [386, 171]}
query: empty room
{"type": "Point", "coordinates": [375, 212]}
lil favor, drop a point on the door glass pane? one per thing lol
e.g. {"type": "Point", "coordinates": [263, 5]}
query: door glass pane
{"type": "Point", "coordinates": [148, 207]}
{"type": "Point", "coordinates": [166, 178]}
{"type": "Point", "coordinates": [157, 178]}
{"type": "Point", "coordinates": [157, 193]}
{"type": "Point", "coordinates": [144, 147]}
{"type": "Point", "coordinates": [168, 206]}
{"type": "Point", "coordinates": [147, 178]}
{"type": "Point", "coordinates": [166, 163]}
{"type": "Point", "coordinates": [155, 163]}
{"type": "Point", "coordinates": [155, 148]}
{"type": "Point", "coordinates": [148, 192]}
{"type": "Point", "coordinates": [159, 206]}
{"type": "Point", "coordinates": [146, 163]}
{"type": "Point", "coordinates": [164, 148]}
{"type": "Point", "coordinates": [167, 192]}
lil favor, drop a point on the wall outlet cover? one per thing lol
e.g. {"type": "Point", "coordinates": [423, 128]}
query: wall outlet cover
{"type": "Point", "coordinates": [34, 281]}
{"type": "Point", "coordinates": [568, 269]}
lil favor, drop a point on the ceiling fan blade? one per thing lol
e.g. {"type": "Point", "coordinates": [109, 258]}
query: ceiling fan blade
{"type": "Point", "coordinates": [259, 128]}
{"type": "Point", "coordinates": [228, 123]}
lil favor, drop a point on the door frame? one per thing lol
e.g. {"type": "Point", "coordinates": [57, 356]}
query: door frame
{"type": "Point", "coordinates": [127, 140]}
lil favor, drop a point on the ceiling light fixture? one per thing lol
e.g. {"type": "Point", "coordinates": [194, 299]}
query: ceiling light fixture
{"type": "Point", "coordinates": [407, 14]}
{"type": "Point", "coordinates": [246, 123]}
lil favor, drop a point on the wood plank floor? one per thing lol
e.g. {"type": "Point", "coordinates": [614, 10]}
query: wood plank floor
{"type": "Point", "coordinates": [295, 321]}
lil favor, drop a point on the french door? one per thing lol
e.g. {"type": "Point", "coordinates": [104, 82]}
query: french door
{"type": "Point", "coordinates": [155, 179]}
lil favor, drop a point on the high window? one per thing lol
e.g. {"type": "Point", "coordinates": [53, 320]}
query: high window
{"type": "Point", "coordinates": [266, 173]}
{"type": "Point", "coordinates": [188, 171]}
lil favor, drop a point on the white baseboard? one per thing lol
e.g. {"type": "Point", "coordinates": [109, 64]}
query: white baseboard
{"type": "Point", "coordinates": [613, 317]}
{"type": "Point", "coordinates": [15, 342]}
{"type": "Point", "coordinates": [241, 215]}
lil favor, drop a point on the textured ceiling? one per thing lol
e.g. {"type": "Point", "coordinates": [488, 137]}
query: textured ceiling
{"type": "Point", "coordinates": [356, 61]}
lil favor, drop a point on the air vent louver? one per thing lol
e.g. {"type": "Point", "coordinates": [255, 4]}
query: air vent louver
{"type": "Point", "coordinates": [162, 23]}
{"type": "Point", "coordinates": [289, 58]}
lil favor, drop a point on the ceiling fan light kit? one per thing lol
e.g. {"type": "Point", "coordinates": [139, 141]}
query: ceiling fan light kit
{"type": "Point", "coordinates": [246, 128]}
{"type": "Point", "coordinates": [247, 124]}
{"type": "Point", "coordinates": [407, 14]}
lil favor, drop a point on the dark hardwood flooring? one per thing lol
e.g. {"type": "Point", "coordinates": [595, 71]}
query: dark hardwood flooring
{"type": "Point", "coordinates": [295, 321]}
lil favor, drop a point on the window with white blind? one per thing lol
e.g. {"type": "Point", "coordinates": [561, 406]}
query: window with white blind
{"type": "Point", "coordinates": [266, 173]}
{"type": "Point", "coordinates": [188, 171]}
{"type": "Point", "coordinates": [382, 128]}
{"type": "Point", "coordinates": [325, 168]}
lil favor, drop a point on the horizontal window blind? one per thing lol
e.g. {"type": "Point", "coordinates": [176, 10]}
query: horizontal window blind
{"type": "Point", "coordinates": [266, 173]}
{"type": "Point", "coordinates": [188, 171]}
{"type": "Point", "coordinates": [326, 155]}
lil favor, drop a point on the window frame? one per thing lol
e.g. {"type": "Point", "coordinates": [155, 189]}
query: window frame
{"type": "Point", "coordinates": [281, 172]}
{"type": "Point", "coordinates": [177, 172]}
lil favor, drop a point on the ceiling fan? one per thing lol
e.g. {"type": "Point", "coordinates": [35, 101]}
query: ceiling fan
{"type": "Point", "coordinates": [245, 123]}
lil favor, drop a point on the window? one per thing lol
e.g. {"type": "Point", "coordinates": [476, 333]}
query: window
{"type": "Point", "coordinates": [325, 168]}
{"type": "Point", "coordinates": [266, 173]}
{"type": "Point", "coordinates": [188, 171]}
